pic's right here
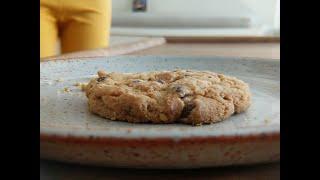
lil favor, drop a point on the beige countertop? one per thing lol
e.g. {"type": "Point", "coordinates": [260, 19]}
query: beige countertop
{"type": "Point", "coordinates": [259, 50]}
{"type": "Point", "coordinates": [119, 45]}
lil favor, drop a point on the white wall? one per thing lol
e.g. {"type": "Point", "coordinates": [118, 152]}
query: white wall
{"type": "Point", "coordinates": [188, 7]}
{"type": "Point", "coordinates": [263, 10]}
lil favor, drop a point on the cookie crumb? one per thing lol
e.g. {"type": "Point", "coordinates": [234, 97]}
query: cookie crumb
{"type": "Point", "coordinates": [82, 86]}
{"type": "Point", "coordinates": [197, 124]}
{"type": "Point", "coordinates": [60, 80]}
{"type": "Point", "coordinates": [66, 89]}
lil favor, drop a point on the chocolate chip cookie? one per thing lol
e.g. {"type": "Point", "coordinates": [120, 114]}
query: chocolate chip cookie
{"type": "Point", "coordinates": [187, 96]}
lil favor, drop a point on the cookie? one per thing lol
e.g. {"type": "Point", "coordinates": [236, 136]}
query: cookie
{"type": "Point", "coordinates": [187, 96]}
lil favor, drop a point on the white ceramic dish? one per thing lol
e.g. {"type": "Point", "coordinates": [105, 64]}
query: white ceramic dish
{"type": "Point", "coordinates": [69, 133]}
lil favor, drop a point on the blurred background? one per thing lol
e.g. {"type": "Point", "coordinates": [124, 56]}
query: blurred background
{"type": "Point", "coordinates": [196, 18]}
{"type": "Point", "coordinates": [181, 21]}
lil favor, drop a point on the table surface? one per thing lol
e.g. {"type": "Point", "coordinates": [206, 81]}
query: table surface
{"type": "Point", "coordinates": [55, 170]}
{"type": "Point", "coordinates": [259, 50]}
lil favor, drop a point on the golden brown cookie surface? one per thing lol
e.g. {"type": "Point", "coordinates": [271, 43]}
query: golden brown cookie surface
{"type": "Point", "coordinates": [193, 97]}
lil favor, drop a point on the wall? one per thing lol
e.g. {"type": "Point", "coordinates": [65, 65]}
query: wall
{"type": "Point", "coordinates": [263, 10]}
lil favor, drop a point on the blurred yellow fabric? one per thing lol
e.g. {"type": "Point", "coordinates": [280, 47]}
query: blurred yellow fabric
{"type": "Point", "coordinates": [80, 25]}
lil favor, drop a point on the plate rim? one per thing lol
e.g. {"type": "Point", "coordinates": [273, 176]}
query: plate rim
{"type": "Point", "coordinates": [275, 136]}
{"type": "Point", "coordinates": [172, 56]}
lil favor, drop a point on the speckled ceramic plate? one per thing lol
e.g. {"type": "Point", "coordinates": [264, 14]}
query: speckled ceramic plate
{"type": "Point", "coordinates": [69, 133]}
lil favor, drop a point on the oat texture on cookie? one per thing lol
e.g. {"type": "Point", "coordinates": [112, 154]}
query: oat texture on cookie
{"type": "Point", "coordinates": [187, 96]}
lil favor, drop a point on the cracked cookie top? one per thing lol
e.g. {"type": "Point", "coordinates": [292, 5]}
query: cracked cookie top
{"type": "Point", "coordinates": [187, 96]}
